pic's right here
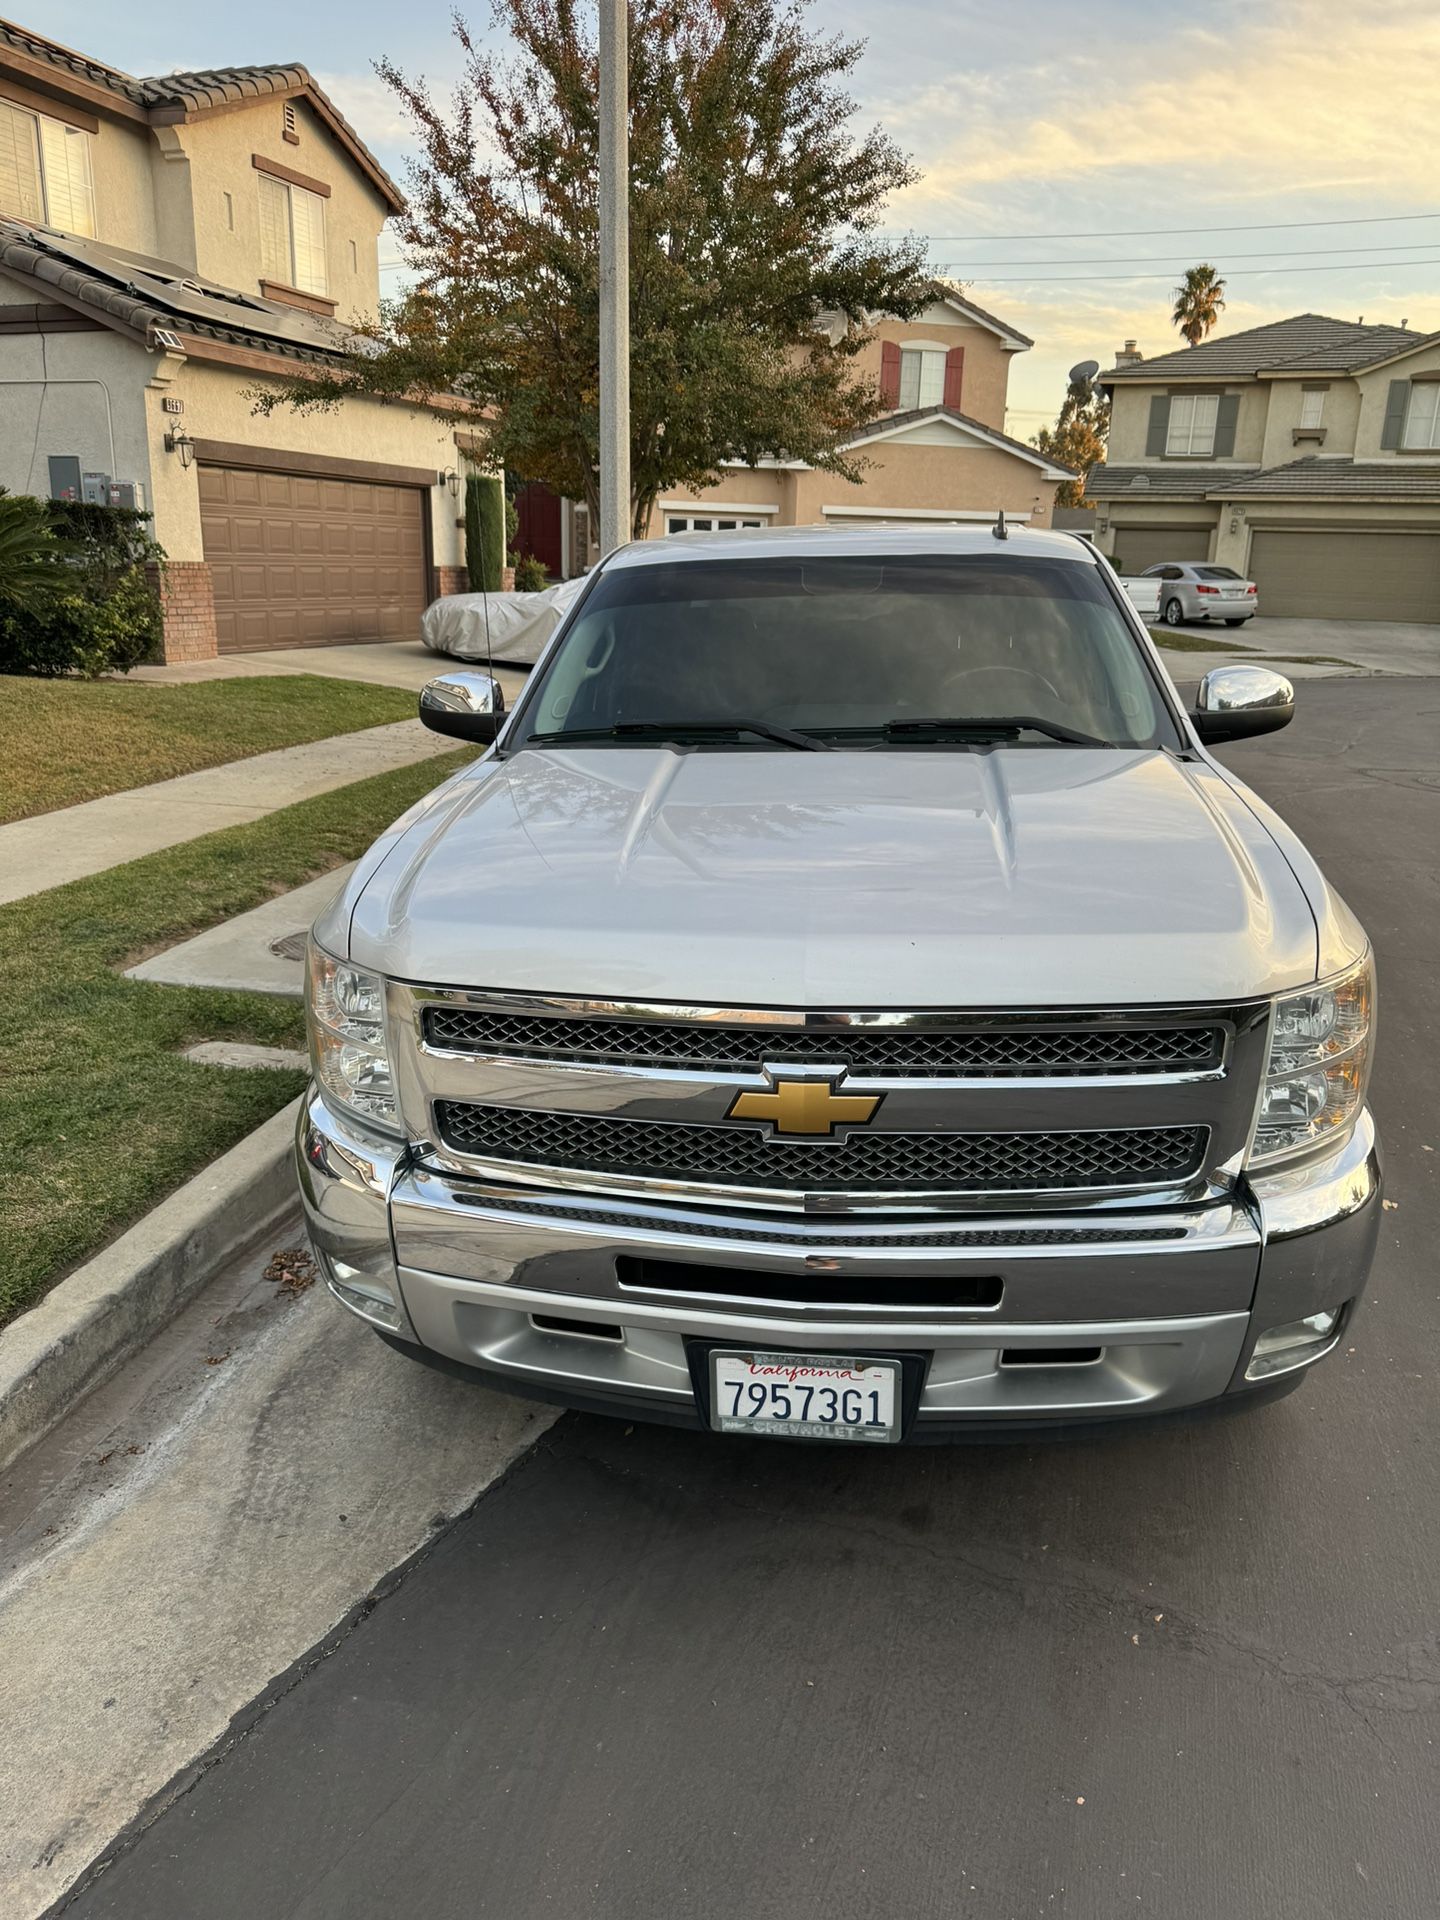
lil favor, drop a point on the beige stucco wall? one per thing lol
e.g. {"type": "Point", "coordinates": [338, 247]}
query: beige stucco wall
{"type": "Point", "coordinates": [899, 476]}
{"type": "Point", "coordinates": [124, 197]}
{"type": "Point", "coordinates": [1130, 420]}
{"type": "Point", "coordinates": [60, 403]}
{"type": "Point", "coordinates": [987, 363]}
{"type": "Point", "coordinates": [1340, 421]}
{"type": "Point", "coordinates": [218, 406]}
{"type": "Point", "coordinates": [219, 150]}
{"type": "Point", "coordinates": [1374, 387]}
{"type": "Point", "coordinates": [931, 478]}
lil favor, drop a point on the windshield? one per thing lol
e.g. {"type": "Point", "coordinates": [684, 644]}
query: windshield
{"type": "Point", "coordinates": [851, 651]}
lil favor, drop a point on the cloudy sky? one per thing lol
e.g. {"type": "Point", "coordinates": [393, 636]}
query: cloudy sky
{"type": "Point", "coordinates": [1075, 158]}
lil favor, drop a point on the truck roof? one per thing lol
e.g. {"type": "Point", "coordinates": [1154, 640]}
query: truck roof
{"type": "Point", "coordinates": [802, 542]}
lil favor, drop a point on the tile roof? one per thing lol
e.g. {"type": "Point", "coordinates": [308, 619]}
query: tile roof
{"type": "Point", "coordinates": [888, 422]}
{"type": "Point", "coordinates": [137, 294]}
{"type": "Point", "coordinates": [1161, 483]}
{"type": "Point", "coordinates": [1306, 341]}
{"type": "Point", "coordinates": [1345, 480]}
{"type": "Point", "coordinates": [165, 98]}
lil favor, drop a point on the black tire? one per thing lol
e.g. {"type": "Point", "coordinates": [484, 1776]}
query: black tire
{"type": "Point", "coordinates": [1174, 614]}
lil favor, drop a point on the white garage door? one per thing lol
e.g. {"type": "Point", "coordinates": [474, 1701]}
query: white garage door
{"type": "Point", "coordinates": [1347, 576]}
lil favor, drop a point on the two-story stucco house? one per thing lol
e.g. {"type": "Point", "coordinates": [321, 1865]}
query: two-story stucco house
{"type": "Point", "coordinates": [938, 452]}
{"type": "Point", "coordinates": [1305, 454]}
{"type": "Point", "coordinates": [165, 244]}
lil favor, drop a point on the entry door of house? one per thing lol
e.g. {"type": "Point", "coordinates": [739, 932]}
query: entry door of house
{"type": "Point", "coordinates": [539, 530]}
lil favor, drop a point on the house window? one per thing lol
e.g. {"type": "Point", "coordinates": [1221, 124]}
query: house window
{"type": "Point", "coordinates": [922, 377]}
{"type": "Point", "coordinates": [292, 235]}
{"type": "Point", "coordinates": [1192, 423]}
{"type": "Point", "coordinates": [45, 171]}
{"type": "Point", "coordinates": [1422, 417]}
{"type": "Point", "coordinates": [1312, 406]}
{"type": "Point", "coordinates": [706, 523]}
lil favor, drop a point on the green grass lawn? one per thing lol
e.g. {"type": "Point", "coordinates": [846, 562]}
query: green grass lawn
{"type": "Point", "coordinates": [100, 1117]}
{"type": "Point", "coordinates": [1174, 641]}
{"type": "Point", "coordinates": [72, 740]}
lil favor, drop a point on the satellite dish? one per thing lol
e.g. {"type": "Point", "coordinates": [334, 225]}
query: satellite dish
{"type": "Point", "coordinates": [1086, 370]}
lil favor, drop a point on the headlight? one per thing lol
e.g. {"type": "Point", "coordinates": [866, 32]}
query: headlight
{"type": "Point", "coordinates": [345, 1014]}
{"type": "Point", "coordinates": [1319, 1064]}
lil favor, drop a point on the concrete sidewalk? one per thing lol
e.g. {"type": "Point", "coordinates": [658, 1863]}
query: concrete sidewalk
{"type": "Point", "coordinates": [54, 848]}
{"type": "Point", "coordinates": [384, 663]}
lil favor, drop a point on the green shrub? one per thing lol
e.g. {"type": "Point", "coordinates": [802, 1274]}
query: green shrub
{"type": "Point", "coordinates": [530, 574]}
{"type": "Point", "coordinates": [484, 531]}
{"type": "Point", "coordinates": [107, 616]}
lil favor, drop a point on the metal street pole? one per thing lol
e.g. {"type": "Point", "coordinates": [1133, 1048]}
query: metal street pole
{"type": "Point", "coordinates": [614, 275]}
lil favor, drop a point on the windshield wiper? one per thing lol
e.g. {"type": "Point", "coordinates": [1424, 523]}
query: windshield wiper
{"type": "Point", "coordinates": [1000, 727]}
{"type": "Point", "coordinates": [706, 729]}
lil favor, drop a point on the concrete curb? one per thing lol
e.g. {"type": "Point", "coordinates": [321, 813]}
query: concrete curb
{"type": "Point", "coordinates": [82, 1330]}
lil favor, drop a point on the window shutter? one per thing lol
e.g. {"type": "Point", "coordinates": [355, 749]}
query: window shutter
{"type": "Point", "coordinates": [1225, 417]}
{"type": "Point", "coordinates": [890, 374]}
{"type": "Point", "coordinates": [19, 165]}
{"type": "Point", "coordinates": [1397, 403]}
{"type": "Point", "coordinates": [954, 376]}
{"type": "Point", "coordinates": [1159, 425]}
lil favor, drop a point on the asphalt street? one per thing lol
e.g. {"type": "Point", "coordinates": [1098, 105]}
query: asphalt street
{"type": "Point", "coordinates": [1190, 1672]}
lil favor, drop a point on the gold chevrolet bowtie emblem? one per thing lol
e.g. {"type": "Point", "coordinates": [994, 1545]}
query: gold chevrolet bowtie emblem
{"type": "Point", "coordinates": [804, 1106]}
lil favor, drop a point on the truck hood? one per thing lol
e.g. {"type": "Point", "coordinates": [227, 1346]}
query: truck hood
{"type": "Point", "coordinates": [1015, 877]}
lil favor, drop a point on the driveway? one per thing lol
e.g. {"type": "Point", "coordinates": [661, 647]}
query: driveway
{"type": "Point", "coordinates": [1187, 1672]}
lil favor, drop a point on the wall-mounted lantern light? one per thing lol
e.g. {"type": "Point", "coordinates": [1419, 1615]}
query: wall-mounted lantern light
{"type": "Point", "coordinates": [180, 442]}
{"type": "Point", "coordinates": [450, 480]}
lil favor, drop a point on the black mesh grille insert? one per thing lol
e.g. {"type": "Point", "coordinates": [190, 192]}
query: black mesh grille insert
{"type": "Point", "coordinates": [700, 1047]}
{"type": "Point", "coordinates": [873, 1162]}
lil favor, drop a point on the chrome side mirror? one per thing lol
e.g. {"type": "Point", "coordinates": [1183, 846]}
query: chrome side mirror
{"type": "Point", "coordinates": [469, 706]}
{"type": "Point", "coordinates": [1236, 703]}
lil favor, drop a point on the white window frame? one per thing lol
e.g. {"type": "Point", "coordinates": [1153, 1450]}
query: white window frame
{"type": "Point", "coordinates": [290, 273]}
{"type": "Point", "coordinates": [922, 375]}
{"type": "Point", "coordinates": [1312, 407]}
{"type": "Point", "coordinates": [1422, 427]}
{"type": "Point", "coordinates": [713, 522]}
{"type": "Point", "coordinates": [44, 130]}
{"type": "Point", "coordinates": [1191, 427]}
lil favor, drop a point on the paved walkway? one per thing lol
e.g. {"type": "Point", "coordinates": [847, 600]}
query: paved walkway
{"type": "Point", "coordinates": [385, 663]}
{"type": "Point", "coordinates": [54, 848]}
{"type": "Point", "coordinates": [262, 951]}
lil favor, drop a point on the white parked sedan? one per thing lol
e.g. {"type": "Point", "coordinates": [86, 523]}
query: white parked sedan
{"type": "Point", "coordinates": [1198, 590]}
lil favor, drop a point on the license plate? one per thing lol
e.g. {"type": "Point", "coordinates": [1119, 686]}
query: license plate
{"type": "Point", "coordinates": [805, 1396]}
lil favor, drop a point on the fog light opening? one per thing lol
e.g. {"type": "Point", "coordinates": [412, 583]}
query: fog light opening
{"type": "Point", "coordinates": [362, 1293]}
{"type": "Point", "coordinates": [1294, 1344]}
{"type": "Point", "coordinates": [577, 1329]}
{"type": "Point", "coordinates": [1051, 1356]}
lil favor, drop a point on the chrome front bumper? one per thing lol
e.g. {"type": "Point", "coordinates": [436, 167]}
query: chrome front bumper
{"type": "Point", "coordinates": [480, 1273]}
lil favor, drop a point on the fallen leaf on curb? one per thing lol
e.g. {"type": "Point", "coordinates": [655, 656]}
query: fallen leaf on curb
{"type": "Point", "coordinates": [217, 1359]}
{"type": "Point", "coordinates": [292, 1269]}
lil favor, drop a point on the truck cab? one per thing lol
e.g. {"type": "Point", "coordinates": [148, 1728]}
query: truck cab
{"type": "Point", "coordinates": [848, 1001]}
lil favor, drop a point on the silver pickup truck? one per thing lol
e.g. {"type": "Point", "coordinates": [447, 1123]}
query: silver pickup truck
{"type": "Point", "coordinates": [847, 1001]}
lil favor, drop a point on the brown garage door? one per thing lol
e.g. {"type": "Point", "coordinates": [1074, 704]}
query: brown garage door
{"type": "Point", "coordinates": [1139, 547]}
{"type": "Point", "coordinates": [1348, 576]}
{"type": "Point", "coordinates": [297, 560]}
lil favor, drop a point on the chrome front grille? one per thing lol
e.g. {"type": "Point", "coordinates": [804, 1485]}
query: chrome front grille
{"type": "Point", "coordinates": [897, 1051]}
{"type": "Point", "coordinates": [967, 1110]}
{"type": "Point", "coordinates": [862, 1162]}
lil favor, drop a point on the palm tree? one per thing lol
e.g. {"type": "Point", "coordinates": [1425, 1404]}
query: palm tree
{"type": "Point", "coordinates": [1199, 301]}
{"type": "Point", "coordinates": [32, 569]}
